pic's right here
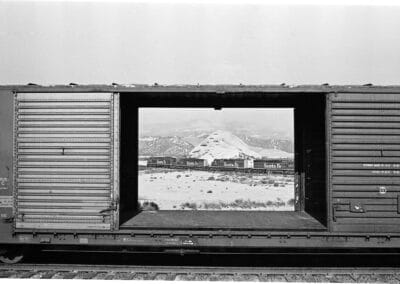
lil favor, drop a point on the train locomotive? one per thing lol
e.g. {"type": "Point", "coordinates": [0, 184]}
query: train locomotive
{"type": "Point", "coordinates": [66, 164]}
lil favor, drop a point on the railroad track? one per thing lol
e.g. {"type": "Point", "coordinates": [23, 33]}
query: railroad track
{"type": "Point", "coordinates": [129, 272]}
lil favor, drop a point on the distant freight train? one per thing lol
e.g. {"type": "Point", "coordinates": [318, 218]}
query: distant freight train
{"type": "Point", "coordinates": [267, 164]}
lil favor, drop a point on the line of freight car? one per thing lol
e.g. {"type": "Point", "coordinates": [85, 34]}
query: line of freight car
{"type": "Point", "coordinates": [284, 171]}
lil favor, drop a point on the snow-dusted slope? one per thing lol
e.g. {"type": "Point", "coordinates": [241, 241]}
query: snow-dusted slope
{"type": "Point", "coordinates": [275, 154]}
{"type": "Point", "coordinates": [268, 153]}
{"type": "Point", "coordinates": [164, 146]}
{"type": "Point", "coordinates": [222, 145]}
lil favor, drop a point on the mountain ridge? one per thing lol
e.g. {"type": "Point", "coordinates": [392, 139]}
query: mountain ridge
{"type": "Point", "coordinates": [219, 144]}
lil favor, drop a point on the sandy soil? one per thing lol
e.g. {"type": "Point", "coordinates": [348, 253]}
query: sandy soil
{"type": "Point", "coordinates": [202, 190]}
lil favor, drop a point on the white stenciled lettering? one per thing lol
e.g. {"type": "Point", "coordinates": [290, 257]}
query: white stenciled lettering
{"type": "Point", "coordinates": [380, 165]}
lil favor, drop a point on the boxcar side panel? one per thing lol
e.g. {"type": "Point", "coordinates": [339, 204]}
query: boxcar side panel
{"type": "Point", "coordinates": [365, 162]}
{"type": "Point", "coordinates": [64, 161]}
{"type": "Point", "coordinates": [6, 164]}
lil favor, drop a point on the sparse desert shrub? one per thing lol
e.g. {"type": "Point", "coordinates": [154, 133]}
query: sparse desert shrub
{"type": "Point", "coordinates": [149, 206]}
{"type": "Point", "coordinates": [246, 204]}
{"type": "Point", "coordinates": [187, 175]}
{"type": "Point", "coordinates": [276, 184]}
{"type": "Point", "coordinates": [209, 191]}
{"type": "Point", "coordinates": [240, 203]}
{"type": "Point", "coordinates": [211, 178]}
{"type": "Point", "coordinates": [212, 206]}
{"type": "Point", "coordinates": [178, 176]}
{"type": "Point", "coordinates": [290, 202]}
{"type": "Point", "coordinates": [280, 202]}
{"type": "Point", "coordinates": [189, 205]}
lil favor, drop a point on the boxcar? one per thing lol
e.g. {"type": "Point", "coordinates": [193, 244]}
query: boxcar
{"type": "Point", "coordinates": [233, 163]}
{"type": "Point", "coordinates": [161, 161]}
{"type": "Point", "coordinates": [67, 154]}
{"type": "Point", "coordinates": [192, 162]}
{"type": "Point", "coordinates": [268, 164]}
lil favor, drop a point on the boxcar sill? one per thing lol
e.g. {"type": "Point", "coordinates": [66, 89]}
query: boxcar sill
{"type": "Point", "coordinates": [239, 220]}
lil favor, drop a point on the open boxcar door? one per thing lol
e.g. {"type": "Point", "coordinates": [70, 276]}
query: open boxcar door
{"type": "Point", "coordinates": [66, 152]}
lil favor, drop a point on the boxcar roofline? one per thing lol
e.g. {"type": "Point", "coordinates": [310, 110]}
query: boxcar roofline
{"type": "Point", "coordinates": [204, 88]}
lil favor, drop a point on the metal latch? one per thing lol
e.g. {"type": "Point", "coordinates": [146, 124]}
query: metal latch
{"type": "Point", "coordinates": [113, 207]}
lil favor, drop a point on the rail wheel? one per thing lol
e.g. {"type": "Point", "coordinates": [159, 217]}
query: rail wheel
{"type": "Point", "coordinates": [12, 257]}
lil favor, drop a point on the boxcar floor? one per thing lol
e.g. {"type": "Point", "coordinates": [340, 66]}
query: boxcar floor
{"type": "Point", "coordinates": [277, 220]}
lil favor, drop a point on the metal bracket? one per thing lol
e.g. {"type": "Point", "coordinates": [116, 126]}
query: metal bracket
{"type": "Point", "coordinates": [334, 208]}
{"type": "Point", "coordinates": [357, 207]}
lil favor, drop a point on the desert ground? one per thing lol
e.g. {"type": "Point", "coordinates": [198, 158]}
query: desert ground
{"type": "Point", "coordinates": [172, 189]}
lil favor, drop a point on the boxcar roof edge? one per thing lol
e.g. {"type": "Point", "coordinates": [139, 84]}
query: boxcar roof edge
{"type": "Point", "coordinates": [368, 88]}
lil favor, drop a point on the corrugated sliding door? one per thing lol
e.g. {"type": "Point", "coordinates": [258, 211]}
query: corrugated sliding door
{"type": "Point", "coordinates": [66, 161]}
{"type": "Point", "coordinates": [365, 162]}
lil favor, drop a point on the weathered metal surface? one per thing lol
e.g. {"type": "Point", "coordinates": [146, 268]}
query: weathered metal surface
{"type": "Point", "coordinates": [365, 151]}
{"type": "Point", "coordinates": [64, 157]}
{"type": "Point", "coordinates": [206, 240]}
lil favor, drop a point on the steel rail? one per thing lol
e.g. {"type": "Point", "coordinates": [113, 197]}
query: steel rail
{"type": "Point", "coordinates": [281, 274]}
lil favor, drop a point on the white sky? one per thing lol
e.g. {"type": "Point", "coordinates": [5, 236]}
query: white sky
{"type": "Point", "coordinates": [259, 121]}
{"type": "Point", "coordinates": [178, 43]}
{"type": "Point", "coordinates": [224, 115]}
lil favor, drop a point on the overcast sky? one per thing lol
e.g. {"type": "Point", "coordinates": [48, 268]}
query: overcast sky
{"type": "Point", "coordinates": [255, 121]}
{"type": "Point", "coordinates": [50, 43]}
